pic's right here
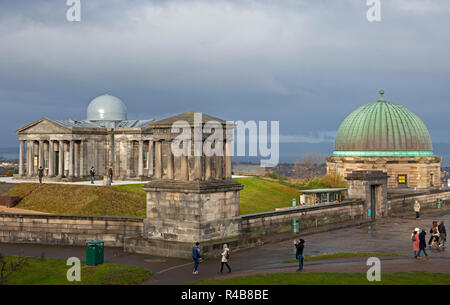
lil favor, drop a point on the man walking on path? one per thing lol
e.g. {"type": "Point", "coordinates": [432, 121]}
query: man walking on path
{"type": "Point", "coordinates": [92, 173]}
{"type": "Point", "coordinates": [110, 173]}
{"type": "Point", "coordinates": [40, 174]}
{"type": "Point", "coordinates": [422, 244]}
{"type": "Point", "coordinates": [417, 209]}
{"type": "Point", "coordinates": [299, 245]}
{"type": "Point", "coordinates": [225, 257]}
{"type": "Point", "coordinates": [442, 234]}
{"type": "Point", "coordinates": [196, 257]}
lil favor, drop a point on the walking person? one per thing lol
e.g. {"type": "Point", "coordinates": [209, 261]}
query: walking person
{"type": "Point", "coordinates": [431, 234]}
{"type": "Point", "coordinates": [92, 174]}
{"type": "Point", "coordinates": [422, 244]}
{"type": "Point", "coordinates": [196, 256]}
{"type": "Point", "coordinates": [417, 209]}
{"type": "Point", "coordinates": [225, 257]}
{"type": "Point", "coordinates": [435, 234]}
{"type": "Point", "coordinates": [415, 241]}
{"type": "Point", "coordinates": [299, 245]}
{"type": "Point", "coordinates": [442, 234]}
{"type": "Point", "coordinates": [110, 174]}
{"type": "Point", "coordinates": [40, 173]}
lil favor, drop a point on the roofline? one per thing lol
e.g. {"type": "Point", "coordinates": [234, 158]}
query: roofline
{"type": "Point", "coordinates": [412, 153]}
{"type": "Point", "coordinates": [39, 121]}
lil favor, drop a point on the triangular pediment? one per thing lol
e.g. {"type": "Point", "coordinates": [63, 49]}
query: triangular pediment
{"type": "Point", "coordinates": [43, 126]}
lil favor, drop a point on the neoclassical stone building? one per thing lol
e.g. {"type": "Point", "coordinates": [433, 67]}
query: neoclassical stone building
{"type": "Point", "coordinates": [67, 149]}
{"type": "Point", "coordinates": [389, 137]}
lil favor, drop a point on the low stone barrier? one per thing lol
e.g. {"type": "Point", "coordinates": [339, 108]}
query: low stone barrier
{"type": "Point", "coordinates": [67, 230]}
{"type": "Point", "coordinates": [427, 201]}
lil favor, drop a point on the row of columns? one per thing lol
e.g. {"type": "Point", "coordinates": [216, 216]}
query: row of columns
{"type": "Point", "coordinates": [76, 157]}
{"type": "Point", "coordinates": [201, 171]}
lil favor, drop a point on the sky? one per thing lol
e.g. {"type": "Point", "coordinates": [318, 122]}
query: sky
{"type": "Point", "coordinates": [304, 63]}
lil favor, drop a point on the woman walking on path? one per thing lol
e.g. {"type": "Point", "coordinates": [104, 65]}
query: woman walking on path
{"type": "Point", "coordinates": [435, 234]}
{"type": "Point", "coordinates": [300, 246]}
{"type": "Point", "coordinates": [417, 209]}
{"type": "Point", "coordinates": [415, 241]}
{"type": "Point", "coordinates": [422, 243]}
{"type": "Point", "coordinates": [225, 257]}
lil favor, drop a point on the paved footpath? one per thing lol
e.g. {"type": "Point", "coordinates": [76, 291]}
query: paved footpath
{"type": "Point", "coordinates": [387, 235]}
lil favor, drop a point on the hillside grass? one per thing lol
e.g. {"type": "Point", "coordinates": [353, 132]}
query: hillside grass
{"type": "Point", "coordinates": [401, 278]}
{"type": "Point", "coordinates": [49, 271]}
{"type": "Point", "coordinates": [69, 199]}
{"type": "Point", "coordinates": [261, 195]}
{"type": "Point", "coordinates": [258, 195]}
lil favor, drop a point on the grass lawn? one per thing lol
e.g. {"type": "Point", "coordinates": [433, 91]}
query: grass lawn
{"type": "Point", "coordinates": [340, 255]}
{"type": "Point", "coordinates": [416, 278]}
{"type": "Point", "coordinates": [72, 199]}
{"type": "Point", "coordinates": [48, 271]}
{"type": "Point", "coordinates": [260, 195]}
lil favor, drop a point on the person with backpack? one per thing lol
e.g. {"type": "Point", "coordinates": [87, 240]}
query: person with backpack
{"type": "Point", "coordinates": [422, 244]}
{"type": "Point", "coordinates": [92, 174]}
{"type": "Point", "coordinates": [299, 255]}
{"type": "Point", "coordinates": [415, 241]}
{"type": "Point", "coordinates": [225, 257]}
{"type": "Point", "coordinates": [196, 256]}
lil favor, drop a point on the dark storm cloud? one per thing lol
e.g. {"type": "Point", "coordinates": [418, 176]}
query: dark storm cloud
{"type": "Point", "coordinates": [305, 63]}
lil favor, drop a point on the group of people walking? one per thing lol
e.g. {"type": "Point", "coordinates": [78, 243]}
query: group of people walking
{"type": "Point", "coordinates": [225, 256]}
{"type": "Point", "coordinates": [197, 257]}
{"type": "Point", "coordinates": [438, 237]}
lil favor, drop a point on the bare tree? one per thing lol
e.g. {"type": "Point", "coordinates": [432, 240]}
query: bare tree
{"type": "Point", "coordinates": [309, 165]}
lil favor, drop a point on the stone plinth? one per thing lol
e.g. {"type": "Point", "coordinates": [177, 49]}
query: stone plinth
{"type": "Point", "coordinates": [191, 211]}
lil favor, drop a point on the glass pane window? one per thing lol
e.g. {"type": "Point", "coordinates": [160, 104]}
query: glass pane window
{"type": "Point", "coordinates": [402, 179]}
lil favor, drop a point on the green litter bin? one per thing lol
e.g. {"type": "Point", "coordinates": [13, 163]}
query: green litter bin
{"type": "Point", "coordinates": [439, 203]}
{"type": "Point", "coordinates": [95, 253]}
{"type": "Point", "coordinates": [294, 225]}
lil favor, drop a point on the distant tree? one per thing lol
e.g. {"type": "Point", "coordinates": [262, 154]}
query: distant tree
{"type": "Point", "coordinates": [309, 165]}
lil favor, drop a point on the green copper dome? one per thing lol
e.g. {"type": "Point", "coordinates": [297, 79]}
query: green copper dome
{"type": "Point", "coordinates": [383, 129]}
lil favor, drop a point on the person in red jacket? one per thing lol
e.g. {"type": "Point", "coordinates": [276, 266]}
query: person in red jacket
{"type": "Point", "coordinates": [415, 241]}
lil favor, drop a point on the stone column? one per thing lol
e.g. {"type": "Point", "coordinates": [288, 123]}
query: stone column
{"type": "Point", "coordinates": [227, 157]}
{"type": "Point", "coordinates": [184, 168]}
{"type": "Point", "coordinates": [21, 157]}
{"type": "Point", "coordinates": [41, 154]}
{"type": "Point", "coordinates": [61, 159]}
{"type": "Point", "coordinates": [130, 152]}
{"type": "Point", "coordinates": [150, 158]}
{"type": "Point", "coordinates": [51, 158]}
{"type": "Point", "coordinates": [218, 167]}
{"type": "Point", "coordinates": [31, 158]}
{"type": "Point", "coordinates": [82, 162]}
{"type": "Point", "coordinates": [71, 154]}
{"type": "Point", "coordinates": [158, 160]}
{"type": "Point", "coordinates": [76, 163]}
{"type": "Point", "coordinates": [141, 159]}
{"type": "Point", "coordinates": [207, 168]}
{"type": "Point", "coordinates": [170, 166]}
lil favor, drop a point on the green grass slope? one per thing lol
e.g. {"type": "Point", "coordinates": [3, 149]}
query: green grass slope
{"type": "Point", "coordinates": [79, 200]}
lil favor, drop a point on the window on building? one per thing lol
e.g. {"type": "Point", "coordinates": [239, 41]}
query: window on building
{"type": "Point", "coordinates": [431, 179]}
{"type": "Point", "coordinates": [402, 179]}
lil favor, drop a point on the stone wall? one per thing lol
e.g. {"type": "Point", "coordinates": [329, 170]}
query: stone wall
{"type": "Point", "coordinates": [427, 201]}
{"type": "Point", "coordinates": [309, 216]}
{"type": "Point", "coordinates": [68, 230]}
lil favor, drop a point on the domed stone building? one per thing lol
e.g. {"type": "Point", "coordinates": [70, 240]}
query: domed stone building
{"type": "Point", "coordinates": [386, 136]}
{"type": "Point", "coordinates": [67, 149]}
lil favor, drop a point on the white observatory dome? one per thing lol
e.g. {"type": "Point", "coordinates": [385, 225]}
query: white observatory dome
{"type": "Point", "coordinates": [106, 108]}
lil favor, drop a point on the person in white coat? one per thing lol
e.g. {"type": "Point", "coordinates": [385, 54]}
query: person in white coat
{"type": "Point", "coordinates": [225, 257]}
{"type": "Point", "coordinates": [417, 209]}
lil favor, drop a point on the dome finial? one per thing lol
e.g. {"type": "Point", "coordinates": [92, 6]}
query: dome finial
{"type": "Point", "coordinates": [381, 95]}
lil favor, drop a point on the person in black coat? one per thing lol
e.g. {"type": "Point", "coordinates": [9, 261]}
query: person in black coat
{"type": "Point", "coordinates": [442, 234]}
{"type": "Point", "coordinates": [300, 246]}
{"type": "Point", "coordinates": [422, 243]}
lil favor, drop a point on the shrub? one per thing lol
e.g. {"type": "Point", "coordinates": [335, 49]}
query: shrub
{"type": "Point", "coordinates": [9, 173]}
